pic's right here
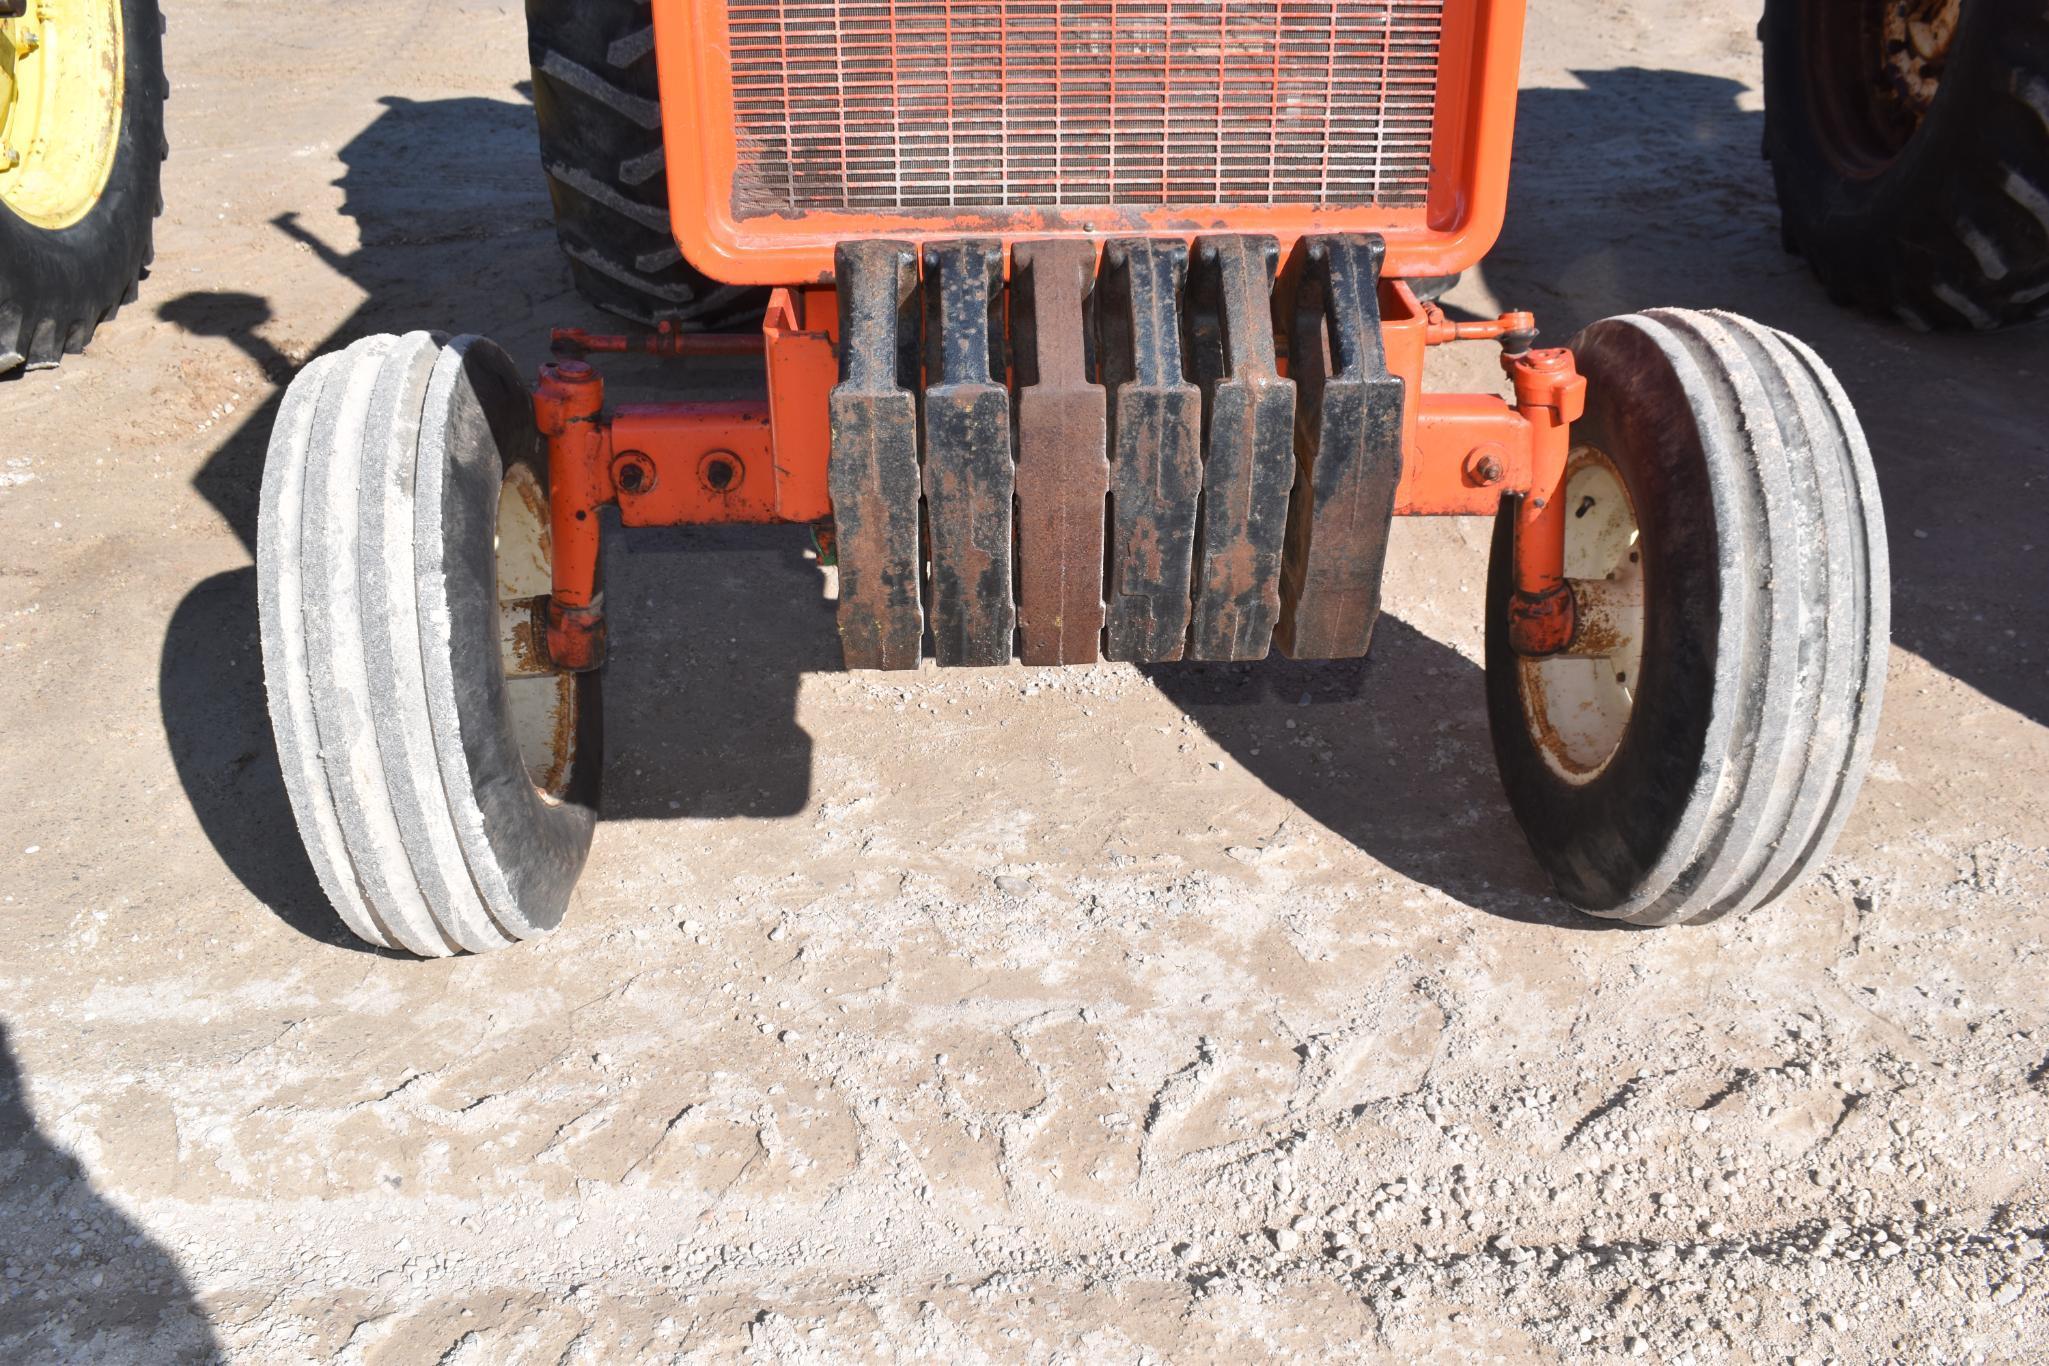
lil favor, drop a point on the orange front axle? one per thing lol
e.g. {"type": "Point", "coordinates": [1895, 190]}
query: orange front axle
{"type": "Point", "coordinates": [753, 461]}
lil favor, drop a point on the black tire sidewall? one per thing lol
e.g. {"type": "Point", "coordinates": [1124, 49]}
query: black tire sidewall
{"type": "Point", "coordinates": [1874, 240]}
{"type": "Point", "coordinates": [1600, 839]}
{"type": "Point", "coordinates": [539, 846]}
{"type": "Point", "coordinates": [78, 274]}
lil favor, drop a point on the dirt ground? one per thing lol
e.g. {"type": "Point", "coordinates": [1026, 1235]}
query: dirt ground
{"type": "Point", "coordinates": [1106, 1015]}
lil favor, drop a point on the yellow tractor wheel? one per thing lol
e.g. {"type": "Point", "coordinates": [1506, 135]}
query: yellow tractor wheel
{"type": "Point", "coordinates": [81, 148]}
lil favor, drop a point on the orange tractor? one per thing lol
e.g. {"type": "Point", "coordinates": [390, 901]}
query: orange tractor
{"type": "Point", "coordinates": [1089, 335]}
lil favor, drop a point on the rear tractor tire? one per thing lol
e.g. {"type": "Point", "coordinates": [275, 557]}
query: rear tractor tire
{"type": "Point", "coordinates": [1699, 755]}
{"type": "Point", "coordinates": [81, 166]}
{"type": "Point", "coordinates": [600, 116]}
{"type": "Point", "coordinates": [446, 804]}
{"type": "Point", "coordinates": [1910, 143]}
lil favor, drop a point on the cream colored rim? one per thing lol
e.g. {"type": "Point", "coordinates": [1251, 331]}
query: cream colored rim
{"type": "Point", "coordinates": [542, 705]}
{"type": "Point", "coordinates": [1578, 705]}
{"type": "Point", "coordinates": [61, 74]}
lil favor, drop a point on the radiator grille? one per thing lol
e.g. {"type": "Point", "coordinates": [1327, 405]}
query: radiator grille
{"type": "Point", "coordinates": [936, 106]}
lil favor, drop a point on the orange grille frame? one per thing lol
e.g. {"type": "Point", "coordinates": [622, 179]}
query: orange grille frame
{"type": "Point", "coordinates": [731, 223]}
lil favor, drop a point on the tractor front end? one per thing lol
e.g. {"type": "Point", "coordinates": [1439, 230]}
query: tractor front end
{"type": "Point", "coordinates": [1091, 335]}
{"type": "Point", "coordinates": [1090, 202]}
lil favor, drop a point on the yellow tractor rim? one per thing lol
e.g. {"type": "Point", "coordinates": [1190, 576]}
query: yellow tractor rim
{"type": "Point", "coordinates": [60, 108]}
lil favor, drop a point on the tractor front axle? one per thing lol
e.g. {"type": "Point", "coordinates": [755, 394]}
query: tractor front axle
{"type": "Point", "coordinates": [1247, 500]}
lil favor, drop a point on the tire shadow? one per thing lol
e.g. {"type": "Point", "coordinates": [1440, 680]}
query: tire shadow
{"type": "Point", "coordinates": [1646, 188]}
{"type": "Point", "coordinates": [83, 1281]}
{"type": "Point", "coordinates": [210, 689]}
{"type": "Point", "coordinates": [1391, 753]}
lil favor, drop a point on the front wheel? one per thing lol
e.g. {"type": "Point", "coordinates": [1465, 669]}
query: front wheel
{"type": "Point", "coordinates": [1696, 754]}
{"type": "Point", "coordinates": [444, 787]}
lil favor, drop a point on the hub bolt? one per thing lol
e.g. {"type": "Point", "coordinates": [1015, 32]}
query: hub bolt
{"type": "Point", "coordinates": [1484, 465]}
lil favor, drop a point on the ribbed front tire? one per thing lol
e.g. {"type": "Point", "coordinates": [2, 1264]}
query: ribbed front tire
{"type": "Point", "coordinates": [1760, 549]}
{"type": "Point", "coordinates": [445, 805]}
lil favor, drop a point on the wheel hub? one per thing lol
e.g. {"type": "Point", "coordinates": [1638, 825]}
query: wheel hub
{"type": "Point", "coordinates": [1916, 37]}
{"type": "Point", "coordinates": [540, 703]}
{"type": "Point", "coordinates": [1873, 72]}
{"type": "Point", "coordinates": [61, 86]}
{"type": "Point", "coordinates": [1578, 704]}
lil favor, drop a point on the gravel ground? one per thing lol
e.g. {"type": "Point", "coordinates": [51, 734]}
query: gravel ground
{"type": "Point", "coordinates": [1106, 1015]}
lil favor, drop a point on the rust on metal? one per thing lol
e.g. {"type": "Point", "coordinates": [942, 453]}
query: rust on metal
{"type": "Point", "coordinates": [873, 462]}
{"type": "Point", "coordinates": [1155, 450]}
{"type": "Point", "coordinates": [569, 401]}
{"type": "Point", "coordinates": [1486, 465]}
{"type": "Point", "coordinates": [1541, 623]}
{"type": "Point", "coordinates": [576, 635]}
{"type": "Point", "coordinates": [1248, 453]}
{"type": "Point", "coordinates": [1063, 464]}
{"type": "Point", "coordinates": [1348, 450]}
{"type": "Point", "coordinates": [1916, 36]}
{"type": "Point", "coordinates": [523, 637]}
{"type": "Point", "coordinates": [633, 472]}
{"type": "Point", "coordinates": [561, 738]}
{"type": "Point", "coordinates": [970, 476]}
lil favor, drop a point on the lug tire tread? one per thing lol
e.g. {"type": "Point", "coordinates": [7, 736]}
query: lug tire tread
{"type": "Point", "coordinates": [58, 288]}
{"type": "Point", "coordinates": [1954, 235]}
{"type": "Point", "coordinates": [598, 107]}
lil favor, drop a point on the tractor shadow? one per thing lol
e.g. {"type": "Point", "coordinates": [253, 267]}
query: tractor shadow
{"type": "Point", "coordinates": [1390, 753]}
{"type": "Point", "coordinates": [1647, 188]}
{"type": "Point", "coordinates": [95, 1287]}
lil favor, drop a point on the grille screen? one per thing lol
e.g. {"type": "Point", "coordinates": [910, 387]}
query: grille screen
{"type": "Point", "coordinates": [932, 106]}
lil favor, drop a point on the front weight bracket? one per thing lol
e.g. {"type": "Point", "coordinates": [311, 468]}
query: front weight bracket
{"type": "Point", "coordinates": [969, 474]}
{"type": "Point", "coordinates": [1348, 449]}
{"type": "Point", "coordinates": [1155, 450]}
{"type": "Point", "coordinates": [872, 469]}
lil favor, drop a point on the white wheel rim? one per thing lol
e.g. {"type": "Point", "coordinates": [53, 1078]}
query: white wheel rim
{"type": "Point", "coordinates": [1578, 705]}
{"type": "Point", "coordinates": [542, 709]}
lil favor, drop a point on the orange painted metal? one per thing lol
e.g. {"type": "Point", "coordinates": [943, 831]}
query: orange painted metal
{"type": "Point", "coordinates": [1551, 395]}
{"type": "Point", "coordinates": [1479, 53]}
{"type": "Point", "coordinates": [706, 464]}
{"type": "Point", "coordinates": [1440, 329]}
{"type": "Point", "coordinates": [666, 340]}
{"type": "Point", "coordinates": [776, 470]}
{"type": "Point", "coordinates": [802, 334]}
{"type": "Point", "coordinates": [699, 463]}
{"type": "Point", "coordinates": [568, 403]}
{"type": "Point", "coordinates": [1444, 473]}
